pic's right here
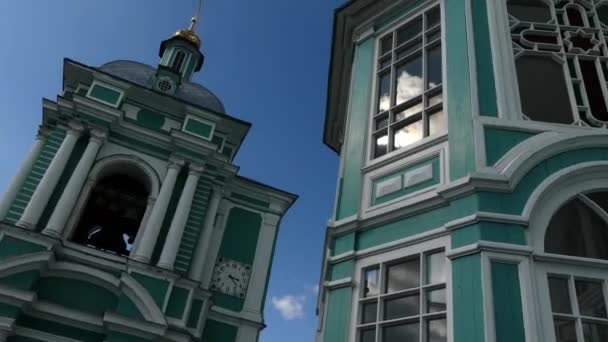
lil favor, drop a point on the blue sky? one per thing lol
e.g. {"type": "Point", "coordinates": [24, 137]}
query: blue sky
{"type": "Point", "coordinates": [267, 61]}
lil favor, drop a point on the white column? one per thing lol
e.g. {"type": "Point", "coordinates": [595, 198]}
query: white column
{"type": "Point", "coordinates": [22, 173]}
{"type": "Point", "coordinates": [176, 230]}
{"type": "Point", "coordinates": [67, 201]}
{"type": "Point", "coordinates": [144, 222]}
{"type": "Point", "coordinates": [145, 247]}
{"type": "Point", "coordinates": [43, 192]}
{"type": "Point", "coordinates": [261, 265]}
{"type": "Point", "coordinates": [202, 247]}
{"type": "Point", "coordinates": [216, 242]}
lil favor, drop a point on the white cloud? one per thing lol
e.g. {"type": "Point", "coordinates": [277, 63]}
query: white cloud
{"type": "Point", "coordinates": [291, 307]}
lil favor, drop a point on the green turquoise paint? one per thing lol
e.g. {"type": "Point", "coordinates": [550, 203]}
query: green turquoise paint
{"type": "Point", "coordinates": [499, 141]}
{"type": "Point", "coordinates": [341, 270]}
{"type": "Point", "coordinates": [489, 231]}
{"type": "Point", "coordinates": [150, 119]}
{"type": "Point", "coordinates": [198, 128]}
{"type": "Point", "coordinates": [21, 281]}
{"type": "Point", "coordinates": [157, 288]}
{"type": "Point", "coordinates": [7, 310]}
{"type": "Point", "coordinates": [343, 244]}
{"type": "Point", "coordinates": [486, 87]}
{"type": "Point", "coordinates": [177, 302]}
{"type": "Point", "coordinates": [10, 247]}
{"type": "Point", "coordinates": [59, 329]}
{"type": "Point", "coordinates": [127, 308]}
{"type": "Point", "coordinates": [358, 113]}
{"type": "Point", "coordinates": [195, 313]}
{"type": "Point", "coordinates": [460, 117]}
{"type": "Point", "coordinates": [227, 151]}
{"type": "Point", "coordinates": [227, 302]}
{"type": "Point", "coordinates": [220, 332]}
{"type": "Point", "coordinates": [76, 294]}
{"type": "Point", "coordinates": [467, 299]}
{"type": "Point", "coordinates": [105, 94]}
{"type": "Point", "coordinates": [411, 189]}
{"type": "Point", "coordinates": [399, 14]}
{"type": "Point", "coordinates": [193, 227]}
{"type": "Point", "coordinates": [337, 315]}
{"type": "Point", "coordinates": [508, 311]}
{"type": "Point", "coordinates": [241, 235]}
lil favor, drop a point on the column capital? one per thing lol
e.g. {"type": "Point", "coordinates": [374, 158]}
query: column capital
{"type": "Point", "coordinates": [218, 189]}
{"type": "Point", "coordinates": [195, 170]}
{"type": "Point", "coordinates": [270, 219]}
{"type": "Point", "coordinates": [98, 135]}
{"type": "Point", "coordinates": [175, 163]}
{"type": "Point", "coordinates": [43, 132]}
{"type": "Point", "coordinates": [75, 128]}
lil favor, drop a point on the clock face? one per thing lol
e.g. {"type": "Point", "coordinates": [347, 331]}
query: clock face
{"type": "Point", "coordinates": [231, 277]}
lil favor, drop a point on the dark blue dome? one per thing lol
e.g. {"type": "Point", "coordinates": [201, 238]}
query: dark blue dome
{"type": "Point", "coordinates": [142, 74]}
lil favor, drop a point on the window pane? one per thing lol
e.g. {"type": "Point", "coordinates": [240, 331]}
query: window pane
{"type": "Point", "coordinates": [595, 332]}
{"type": "Point", "coordinates": [402, 307]}
{"type": "Point", "coordinates": [437, 122]}
{"type": "Point", "coordinates": [403, 276]}
{"type": "Point", "coordinates": [590, 298]}
{"type": "Point", "coordinates": [401, 333]}
{"type": "Point", "coordinates": [553, 103]}
{"type": "Point", "coordinates": [381, 123]}
{"type": "Point", "coordinates": [368, 335]}
{"type": "Point", "coordinates": [434, 67]}
{"type": "Point", "coordinates": [432, 17]}
{"type": "Point", "coordinates": [369, 313]}
{"type": "Point", "coordinates": [370, 283]}
{"type": "Point", "coordinates": [560, 298]}
{"type": "Point", "coordinates": [381, 145]}
{"type": "Point", "coordinates": [435, 268]}
{"type": "Point", "coordinates": [406, 113]}
{"type": "Point", "coordinates": [435, 99]}
{"type": "Point", "coordinates": [409, 79]}
{"type": "Point", "coordinates": [437, 331]}
{"type": "Point", "coordinates": [409, 31]}
{"type": "Point", "coordinates": [435, 301]}
{"type": "Point", "coordinates": [529, 10]}
{"type": "Point", "coordinates": [565, 331]}
{"type": "Point", "coordinates": [386, 44]}
{"type": "Point", "coordinates": [409, 48]}
{"type": "Point", "coordinates": [384, 92]}
{"type": "Point", "coordinates": [408, 134]}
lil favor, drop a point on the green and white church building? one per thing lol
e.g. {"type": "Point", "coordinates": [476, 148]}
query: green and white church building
{"type": "Point", "coordinates": [128, 220]}
{"type": "Point", "coordinates": [472, 194]}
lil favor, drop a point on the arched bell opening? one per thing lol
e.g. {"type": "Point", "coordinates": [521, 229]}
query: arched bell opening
{"type": "Point", "coordinates": [113, 214]}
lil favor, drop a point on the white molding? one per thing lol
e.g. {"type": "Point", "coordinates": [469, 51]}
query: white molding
{"type": "Point", "coordinates": [142, 299]}
{"type": "Point", "coordinates": [338, 284]}
{"type": "Point", "coordinates": [489, 246]}
{"type": "Point", "coordinates": [200, 120]}
{"type": "Point", "coordinates": [41, 335]}
{"type": "Point", "coordinates": [103, 84]}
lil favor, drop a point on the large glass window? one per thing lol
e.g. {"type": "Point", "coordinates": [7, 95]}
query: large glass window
{"type": "Point", "coordinates": [404, 300]}
{"type": "Point", "coordinates": [409, 100]}
{"type": "Point", "coordinates": [560, 57]}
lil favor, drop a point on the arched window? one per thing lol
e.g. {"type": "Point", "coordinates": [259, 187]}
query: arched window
{"type": "Point", "coordinates": [113, 214]}
{"type": "Point", "coordinates": [178, 61]}
{"type": "Point", "coordinates": [580, 227]}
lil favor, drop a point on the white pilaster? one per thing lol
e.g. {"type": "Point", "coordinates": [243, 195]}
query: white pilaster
{"type": "Point", "coordinates": [247, 333]}
{"type": "Point", "coordinates": [144, 221]}
{"type": "Point", "coordinates": [202, 247]}
{"type": "Point", "coordinates": [43, 192]}
{"type": "Point", "coordinates": [261, 265]}
{"type": "Point", "coordinates": [176, 230]}
{"type": "Point", "coordinates": [143, 251]}
{"type": "Point", "coordinates": [67, 201]}
{"type": "Point", "coordinates": [22, 173]}
{"type": "Point", "coordinates": [216, 242]}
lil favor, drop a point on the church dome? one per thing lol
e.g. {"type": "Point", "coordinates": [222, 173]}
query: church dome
{"type": "Point", "coordinates": [143, 75]}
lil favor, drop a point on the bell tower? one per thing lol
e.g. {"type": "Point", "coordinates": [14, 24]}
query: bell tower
{"type": "Point", "coordinates": [128, 219]}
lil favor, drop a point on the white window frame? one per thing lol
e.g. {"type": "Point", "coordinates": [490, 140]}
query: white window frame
{"type": "Point", "coordinates": [427, 141]}
{"type": "Point", "coordinates": [439, 243]}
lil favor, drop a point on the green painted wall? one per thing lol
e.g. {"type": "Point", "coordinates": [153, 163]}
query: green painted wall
{"type": "Point", "coordinates": [410, 189]}
{"type": "Point", "coordinates": [105, 94]}
{"type": "Point", "coordinates": [150, 119]}
{"type": "Point", "coordinates": [250, 200]}
{"type": "Point", "coordinates": [177, 302]}
{"type": "Point", "coordinates": [499, 141]}
{"type": "Point", "coordinates": [198, 128]}
{"type": "Point", "coordinates": [341, 270]}
{"type": "Point", "coordinates": [343, 244]}
{"type": "Point", "coordinates": [76, 294]}
{"type": "Point", "coordinates": [218, 331]}
{"type": "Point", "coordinates": [157, 288]}
{"type": "Point", "coordinates": [59, 329]}
{"type": "Point", "coordinates": [22, 339]}
{"type": "Point", "coordinates": [337, 315]}
{"type": "Point", "coordinates": [489, 231]}
{"type": "Point", "coordinates": [508, 312]}
{"type": "Point", "coordinates": [486, 87]}
{"type": "Point", "coordinates": [10, 246]}
{"type": "Point", "coordinates": [467, 299]}
{"type": "Point", "coordinates": [49, 149]}
{"type": "Point", "coordinates": [195, 313]}
{"type": "Point", "coordinates": [460, 120]}
{"type": "Point", "coordinates": [22, 281]}
{"type": "Point", "coordinates": [118, 337]}
{"type": "Point", "coordinates": [238, 243]}
{"type": "Point", "coordinates": [127, 308]}
{"type": "Point", "coordinates": [356, 133]}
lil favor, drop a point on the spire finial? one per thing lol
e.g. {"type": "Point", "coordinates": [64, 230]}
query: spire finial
{"type": "Point", "coordinates": [189, 34]}
{"type": "Point", "coordinates": [194, 19]}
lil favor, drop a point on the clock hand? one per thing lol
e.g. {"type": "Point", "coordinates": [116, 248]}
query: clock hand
{"type": "Point", "coordinates": [234, 280]}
